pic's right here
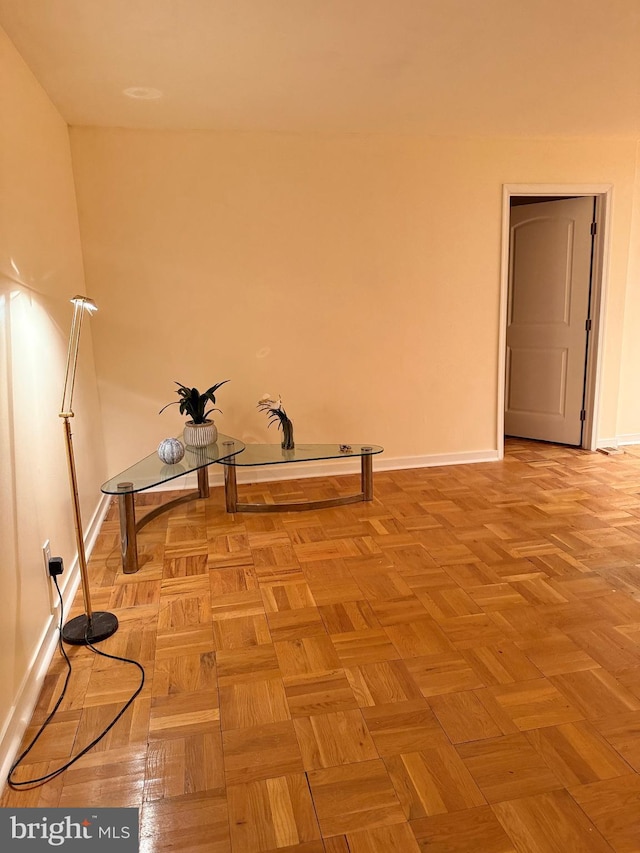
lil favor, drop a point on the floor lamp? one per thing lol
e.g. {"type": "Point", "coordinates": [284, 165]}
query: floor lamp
{"type": "Point", "coordinates": [92, 626]}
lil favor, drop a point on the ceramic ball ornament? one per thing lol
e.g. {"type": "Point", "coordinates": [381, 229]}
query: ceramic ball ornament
{"type": "Point", "coordinates": [171, 450]}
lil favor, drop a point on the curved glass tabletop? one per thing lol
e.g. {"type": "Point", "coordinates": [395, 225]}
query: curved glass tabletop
{"type": "Point", "coordinates": [272, 454]}
{"type": "Point", "coordinates": [152, 471]}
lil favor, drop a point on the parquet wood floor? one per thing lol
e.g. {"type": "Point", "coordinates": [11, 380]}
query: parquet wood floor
{"type": "Point", "coordinates": [453, 668]}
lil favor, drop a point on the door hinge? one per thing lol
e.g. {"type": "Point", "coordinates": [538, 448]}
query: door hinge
{"type": "Point", "coordinates": [583, 415]}
{"type": "Point", "coordinates": [594, 229]}
{"type": "Point", "coordinates": [588, 325]}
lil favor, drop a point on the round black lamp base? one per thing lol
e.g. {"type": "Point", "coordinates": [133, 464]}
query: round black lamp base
{"type": "Point", "coordinates": [83, 630]}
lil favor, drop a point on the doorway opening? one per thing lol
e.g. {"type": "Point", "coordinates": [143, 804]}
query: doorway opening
{"type": "Point", "coordinates": [554, 262]}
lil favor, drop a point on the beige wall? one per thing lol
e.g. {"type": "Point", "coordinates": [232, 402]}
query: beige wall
{"type": "Point", "coordinates": [357, 276]}
{"type": "Point", "coordinates": [629, 404]}
{"type": "Point", "coordinates": [40, 269]}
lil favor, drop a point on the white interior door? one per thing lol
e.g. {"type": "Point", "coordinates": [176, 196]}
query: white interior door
{"type": "Point", "coordinates": [548, 309]}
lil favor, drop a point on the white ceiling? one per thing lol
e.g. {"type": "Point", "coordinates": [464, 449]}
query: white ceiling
{"type": "Point", "coordinates": [447, 67]}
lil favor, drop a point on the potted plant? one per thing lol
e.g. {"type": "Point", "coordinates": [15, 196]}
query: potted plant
{"type": "Point", "coordinates": [199, 430]}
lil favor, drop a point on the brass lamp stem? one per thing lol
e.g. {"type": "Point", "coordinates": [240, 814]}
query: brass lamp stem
{"type": "Point", "coordinates": [82, 559]}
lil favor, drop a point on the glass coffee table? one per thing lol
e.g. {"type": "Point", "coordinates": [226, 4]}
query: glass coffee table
{"type": "Point", "coordinates": [152, 471]}
{"type": "Point", "coordinates": [273, 454]}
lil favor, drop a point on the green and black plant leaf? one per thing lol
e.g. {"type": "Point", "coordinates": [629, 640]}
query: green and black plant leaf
{"type": "Point", "coordinates": [194, 404]}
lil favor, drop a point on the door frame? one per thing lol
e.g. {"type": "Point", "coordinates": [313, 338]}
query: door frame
{"type": "Point", "coordinates": [604, 198]}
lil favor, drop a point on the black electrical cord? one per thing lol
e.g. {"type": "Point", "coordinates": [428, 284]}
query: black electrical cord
{"type": "Point", "coordinates": [40, 780]}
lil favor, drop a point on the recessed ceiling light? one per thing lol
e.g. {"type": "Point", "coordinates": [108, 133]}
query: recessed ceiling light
{"type": "Point", "coordinates": [142, 93]}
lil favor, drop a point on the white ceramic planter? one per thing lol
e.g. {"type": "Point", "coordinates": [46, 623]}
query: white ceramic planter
{"type": "Point", "coordinates": [199, 435]}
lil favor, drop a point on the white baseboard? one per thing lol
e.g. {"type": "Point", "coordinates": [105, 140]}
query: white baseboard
{"type": "Point", "coordinates": [329, 468]}
{"type": "Point", "coordinates": [619, 440]}
{"type": "Point", "coordinates": [29, 690]}
{"type": "Point", "coordinates": [630, 438]}
{"type": "Point", "coordinates": [434, 460]}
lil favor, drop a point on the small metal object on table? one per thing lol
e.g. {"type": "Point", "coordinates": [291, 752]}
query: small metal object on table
{"type": "Point", "coordinates": [152, 471]}
{"type": "Point", "coordinates": [273, 454]}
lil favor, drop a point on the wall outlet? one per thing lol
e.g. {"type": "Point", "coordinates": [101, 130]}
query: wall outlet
{"type": "Point", "coordinates": [46, 553]}
{"type": "Point", "coordinates": [46, 556]}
